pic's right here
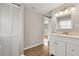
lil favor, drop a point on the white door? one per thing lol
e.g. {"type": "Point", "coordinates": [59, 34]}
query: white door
{"type": "Point", "coordinates": [9, 30]}
{"type": "Point", "coordinates": [5, 20]}
{"type": "Point", "coordinates": [59, 48]}
{"type": "Point", "coordinates": [5, 29]}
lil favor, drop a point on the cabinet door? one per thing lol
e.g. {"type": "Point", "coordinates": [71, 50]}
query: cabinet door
{"type": "Point", "coordinates": [59, 48]}
{"type": "Point", "coordinates": [72, 50]}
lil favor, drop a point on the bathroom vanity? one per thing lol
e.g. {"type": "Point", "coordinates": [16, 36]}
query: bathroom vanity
{"type": "Point", "coordinates": [64, 45]}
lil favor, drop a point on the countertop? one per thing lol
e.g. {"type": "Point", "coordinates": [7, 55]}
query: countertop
{"type": "Point", "coordinates": [72, 35]}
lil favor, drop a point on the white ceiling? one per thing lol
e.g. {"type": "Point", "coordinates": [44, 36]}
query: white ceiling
{"type": "Point", "coordinates": [42, 8]}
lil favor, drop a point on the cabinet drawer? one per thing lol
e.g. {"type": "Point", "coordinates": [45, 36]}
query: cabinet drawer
{"type": "Point", "coordinates": [73, 49]}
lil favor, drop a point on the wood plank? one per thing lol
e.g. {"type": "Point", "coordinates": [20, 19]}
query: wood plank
{"type": "Point", "coordinates": [40, 50]}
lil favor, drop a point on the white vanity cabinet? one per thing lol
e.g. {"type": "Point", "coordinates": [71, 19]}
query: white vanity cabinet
{"type": "Point", "coordinates": [63, 46]}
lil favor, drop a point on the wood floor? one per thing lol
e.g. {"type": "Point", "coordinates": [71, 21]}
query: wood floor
{"type": "Point", "coordinates": [40, 50]}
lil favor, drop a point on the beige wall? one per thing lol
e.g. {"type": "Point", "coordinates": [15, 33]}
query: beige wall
{"type": "Point", "coordinates": [33, 29]}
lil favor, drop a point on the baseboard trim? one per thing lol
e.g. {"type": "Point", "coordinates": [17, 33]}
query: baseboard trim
{"type": "Point", "coordinates": [22, 55]}
{"type": "Point", "coordinates": [33, 45]}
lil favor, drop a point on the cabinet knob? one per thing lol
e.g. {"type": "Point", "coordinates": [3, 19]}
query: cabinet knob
{"type": "Point", "coordinates": [55, 43]}
{"type": "Point", "coordinates": [72, 49]}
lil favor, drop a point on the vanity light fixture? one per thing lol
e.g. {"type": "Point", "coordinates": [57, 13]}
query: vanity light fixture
{"type": "Point", "coordinates": [65, 11]}
{"type": "Point", "coordinates": [59, 13]}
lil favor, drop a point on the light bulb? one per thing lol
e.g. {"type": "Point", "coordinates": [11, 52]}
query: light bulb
{"type": "Point", "coordinates": [61, 13]}
{"type": "Point", "coordinates": [66, 11]}
{"type": "Point", "coordinates": [56, 14]}
{"type": "Point", "coordinates": [72, 9]}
